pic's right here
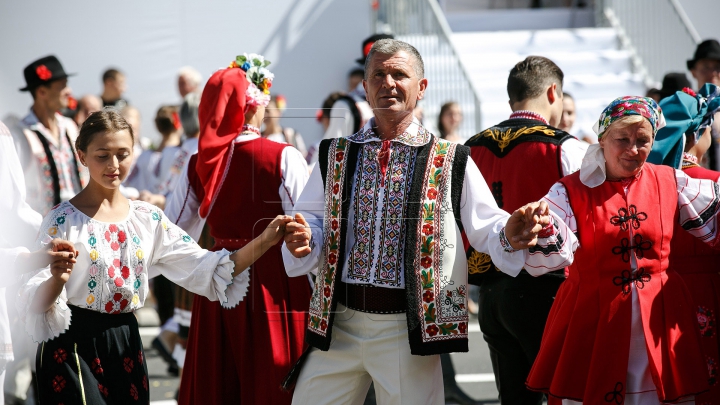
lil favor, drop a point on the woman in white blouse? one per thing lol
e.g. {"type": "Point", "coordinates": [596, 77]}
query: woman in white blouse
{"type": "Point", "coordinates": [90, 349]}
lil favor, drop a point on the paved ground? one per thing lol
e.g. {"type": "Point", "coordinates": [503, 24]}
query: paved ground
{"type": "Point", "coordinates": [474, 371]}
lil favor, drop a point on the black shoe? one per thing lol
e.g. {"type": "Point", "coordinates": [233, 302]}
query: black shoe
{"type": "Point", "coordinates": [456, 395]}
{"type": "Point", "coordinates": [166, 356]}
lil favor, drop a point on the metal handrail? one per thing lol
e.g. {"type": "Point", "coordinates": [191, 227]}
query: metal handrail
{"type": "Point", "coordinates": [422, 24]}
{"type": "Point", "coordinates": [658, 34]}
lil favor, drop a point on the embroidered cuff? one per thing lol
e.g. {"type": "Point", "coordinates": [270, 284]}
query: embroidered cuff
{"type": "Point", "coordinates": [505, 243]}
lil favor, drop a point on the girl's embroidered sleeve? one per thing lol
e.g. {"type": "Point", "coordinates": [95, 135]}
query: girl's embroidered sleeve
{"type": "Point", "coordinates": [557, 242]}
{"type": "Point", "coordinates": [48, 325]}
{"type": "Point", "coordinates": [176, 256]}
{"type": "Point", "coordinates": [699, 203]}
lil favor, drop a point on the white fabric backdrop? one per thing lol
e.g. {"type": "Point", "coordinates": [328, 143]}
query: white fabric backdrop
{"type": "Point", "coordinates": [312, 44]}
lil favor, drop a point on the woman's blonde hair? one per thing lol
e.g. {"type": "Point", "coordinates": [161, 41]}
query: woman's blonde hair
{"type": "Point", "coordinates": [625, 122]}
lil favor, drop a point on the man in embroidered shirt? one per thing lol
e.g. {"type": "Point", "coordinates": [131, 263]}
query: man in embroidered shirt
{"type": "Point", "coordinates": [380, 221]}
{"type": "Point", "coordinates": [514, 309]}
{"type": "Point", "coordinates": [45, 141]}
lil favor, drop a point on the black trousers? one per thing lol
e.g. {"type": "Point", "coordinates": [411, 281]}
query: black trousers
{"type": "Point", "coordinates": [512, 315]}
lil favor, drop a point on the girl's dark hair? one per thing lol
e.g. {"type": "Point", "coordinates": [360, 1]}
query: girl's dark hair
{"type": "Point", "coordinates": [443, 110]}
{"type": "Point", "coordinates": [106, 120]}
{"type": "Point", "coordinates": [167, 119]}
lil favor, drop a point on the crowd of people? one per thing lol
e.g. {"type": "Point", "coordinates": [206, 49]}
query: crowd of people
{"type": "Point", "coordinates": [593, 262]}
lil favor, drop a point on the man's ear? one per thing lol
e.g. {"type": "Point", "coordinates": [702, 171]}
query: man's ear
{"type": "Point", "coordinates": [552, 94]}
{"type": "Point", "coordinates": [423, 85]}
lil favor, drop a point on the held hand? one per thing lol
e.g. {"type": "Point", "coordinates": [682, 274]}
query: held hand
{"type": "Point", "coordinates": [297, 237]}
{"type": "Point", "coordinates": [275, 231]}
{"type": "Point", "coordinates": [46, 256]}
{"type": "Point", "coordinates": [63, 257]}
{"type": "Point", "coordinates": [525, 223]}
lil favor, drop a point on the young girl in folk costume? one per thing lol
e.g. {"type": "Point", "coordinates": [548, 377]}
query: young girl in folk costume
{"type": "Point", "coordinates": [681, 145]}
{"type": "Point", "coordinates": [90, 349]}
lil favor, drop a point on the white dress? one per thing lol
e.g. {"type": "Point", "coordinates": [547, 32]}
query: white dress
{"type": "Point", "coordinates": [115, 262]}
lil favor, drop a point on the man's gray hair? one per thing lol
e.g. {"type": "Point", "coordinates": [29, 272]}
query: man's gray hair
{"type": "Point", "coordinates": [191, 74]}
{"type": "Point", "coordinates": [391, 47]}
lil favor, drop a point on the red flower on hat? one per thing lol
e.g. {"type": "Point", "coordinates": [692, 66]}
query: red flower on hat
{"type": "Point", "coordinates": [43, 72]}
{"type": "Point", "coordinates": [689, 91]}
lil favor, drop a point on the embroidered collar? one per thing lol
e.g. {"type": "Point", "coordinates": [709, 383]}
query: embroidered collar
{"type": "Point", "coordinates": [32, 122]}
{"type": "Point", "coordinates": [528, 115]}
{"type": "Point", "coordinates": [690, 158]}
{"type": "Point", "coordinates": [414, 135]}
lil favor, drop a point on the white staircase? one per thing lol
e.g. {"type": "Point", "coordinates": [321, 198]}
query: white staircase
{"type": "Point", "coordinates": [596, 70]}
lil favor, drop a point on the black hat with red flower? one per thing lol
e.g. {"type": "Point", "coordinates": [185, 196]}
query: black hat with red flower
{"type": "Point", "coordinates": [43, 71]}
{"type": "Point", "coordinates": [368, 43]}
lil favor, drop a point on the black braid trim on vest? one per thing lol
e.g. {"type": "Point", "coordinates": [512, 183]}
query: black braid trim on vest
{"type": "Point", "coordinates": [462, 153]}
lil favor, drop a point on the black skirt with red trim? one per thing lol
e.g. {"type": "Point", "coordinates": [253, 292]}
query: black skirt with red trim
{"type": "Point", "coordinates": [98, 360]}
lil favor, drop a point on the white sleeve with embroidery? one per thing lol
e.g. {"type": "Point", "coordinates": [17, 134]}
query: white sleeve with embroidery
{"type": "Point", "coordinates": [311, 204]}
{"type": "Point", "coordinates": [177, 257]}
{"type": "Point", "coordinates": [699, 202]}
{"type": "Point", "coordinates": [556, 250]}
{"type": "Point", "coordinates": [294, 171]}
{"type": "Point", "coordinates": [50, 324]}
{"type": "Point", "coordinates": [483, 221]}
{"type": "Point", "coordinates": [182, 207]}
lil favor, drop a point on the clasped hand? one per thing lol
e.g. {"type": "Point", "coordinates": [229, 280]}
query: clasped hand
{"type": "Point", "coordinates": [298, 236]}
{"type": "Point", "coordinates": [525, 224]}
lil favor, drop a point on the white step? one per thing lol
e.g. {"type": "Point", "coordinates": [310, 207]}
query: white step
{"type": "Point", "coordinates": [532, 42]}
{"type": "Point", "coordinates": [583, 62]}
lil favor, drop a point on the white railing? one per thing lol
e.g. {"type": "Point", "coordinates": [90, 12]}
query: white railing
{"type": "Point", "coordinates": [422, 24]}
{"type": "Point", "coordinates": [658, 33]}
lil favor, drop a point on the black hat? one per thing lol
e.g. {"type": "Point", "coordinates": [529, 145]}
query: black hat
{"type": "Point", "coordinates": [43, 71]}
{"type": "Point", "coordinates": [673, 82]}
{"type": "Point", "coordinates": [368, 43]}
{"type": "Point", "coordinates": [708, 49]}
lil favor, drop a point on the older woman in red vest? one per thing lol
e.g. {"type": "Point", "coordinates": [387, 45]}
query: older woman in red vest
{"type": "Point", "coordinates": [622, 329]}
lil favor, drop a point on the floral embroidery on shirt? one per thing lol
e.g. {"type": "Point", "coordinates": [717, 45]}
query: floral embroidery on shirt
{"type": "Point", "coordinates": [369, 195]}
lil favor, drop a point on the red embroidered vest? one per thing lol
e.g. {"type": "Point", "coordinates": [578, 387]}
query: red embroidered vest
{"type": "Point", "coordinates": [584, 352]}
{"type": "Point", "coordinates": [503, 154]}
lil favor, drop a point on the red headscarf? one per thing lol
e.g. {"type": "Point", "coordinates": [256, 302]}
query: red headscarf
{"type": "Point", "coordinates": [222, 115]}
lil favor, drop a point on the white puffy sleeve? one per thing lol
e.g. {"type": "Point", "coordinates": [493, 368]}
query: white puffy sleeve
{"type": "Point", "coordinates": [699, 203]}
{"type": "Point", "coordinates": [176, 256]}
{"type": "Point", "coordinates": [557, 242]}
{"type": "Point", "coordinates": [51, 323]}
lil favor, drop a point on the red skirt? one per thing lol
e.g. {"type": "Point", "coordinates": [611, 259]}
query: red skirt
{"type": "Point", "coordinates": [585, 343]}
{"type": "Point", "coordinates": [703, 281]}
{"type": "Point", "coordinates": [241, 355]}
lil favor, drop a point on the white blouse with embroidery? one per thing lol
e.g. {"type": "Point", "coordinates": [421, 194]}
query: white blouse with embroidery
{"type": "Point", "coordinates": [115, 262]}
